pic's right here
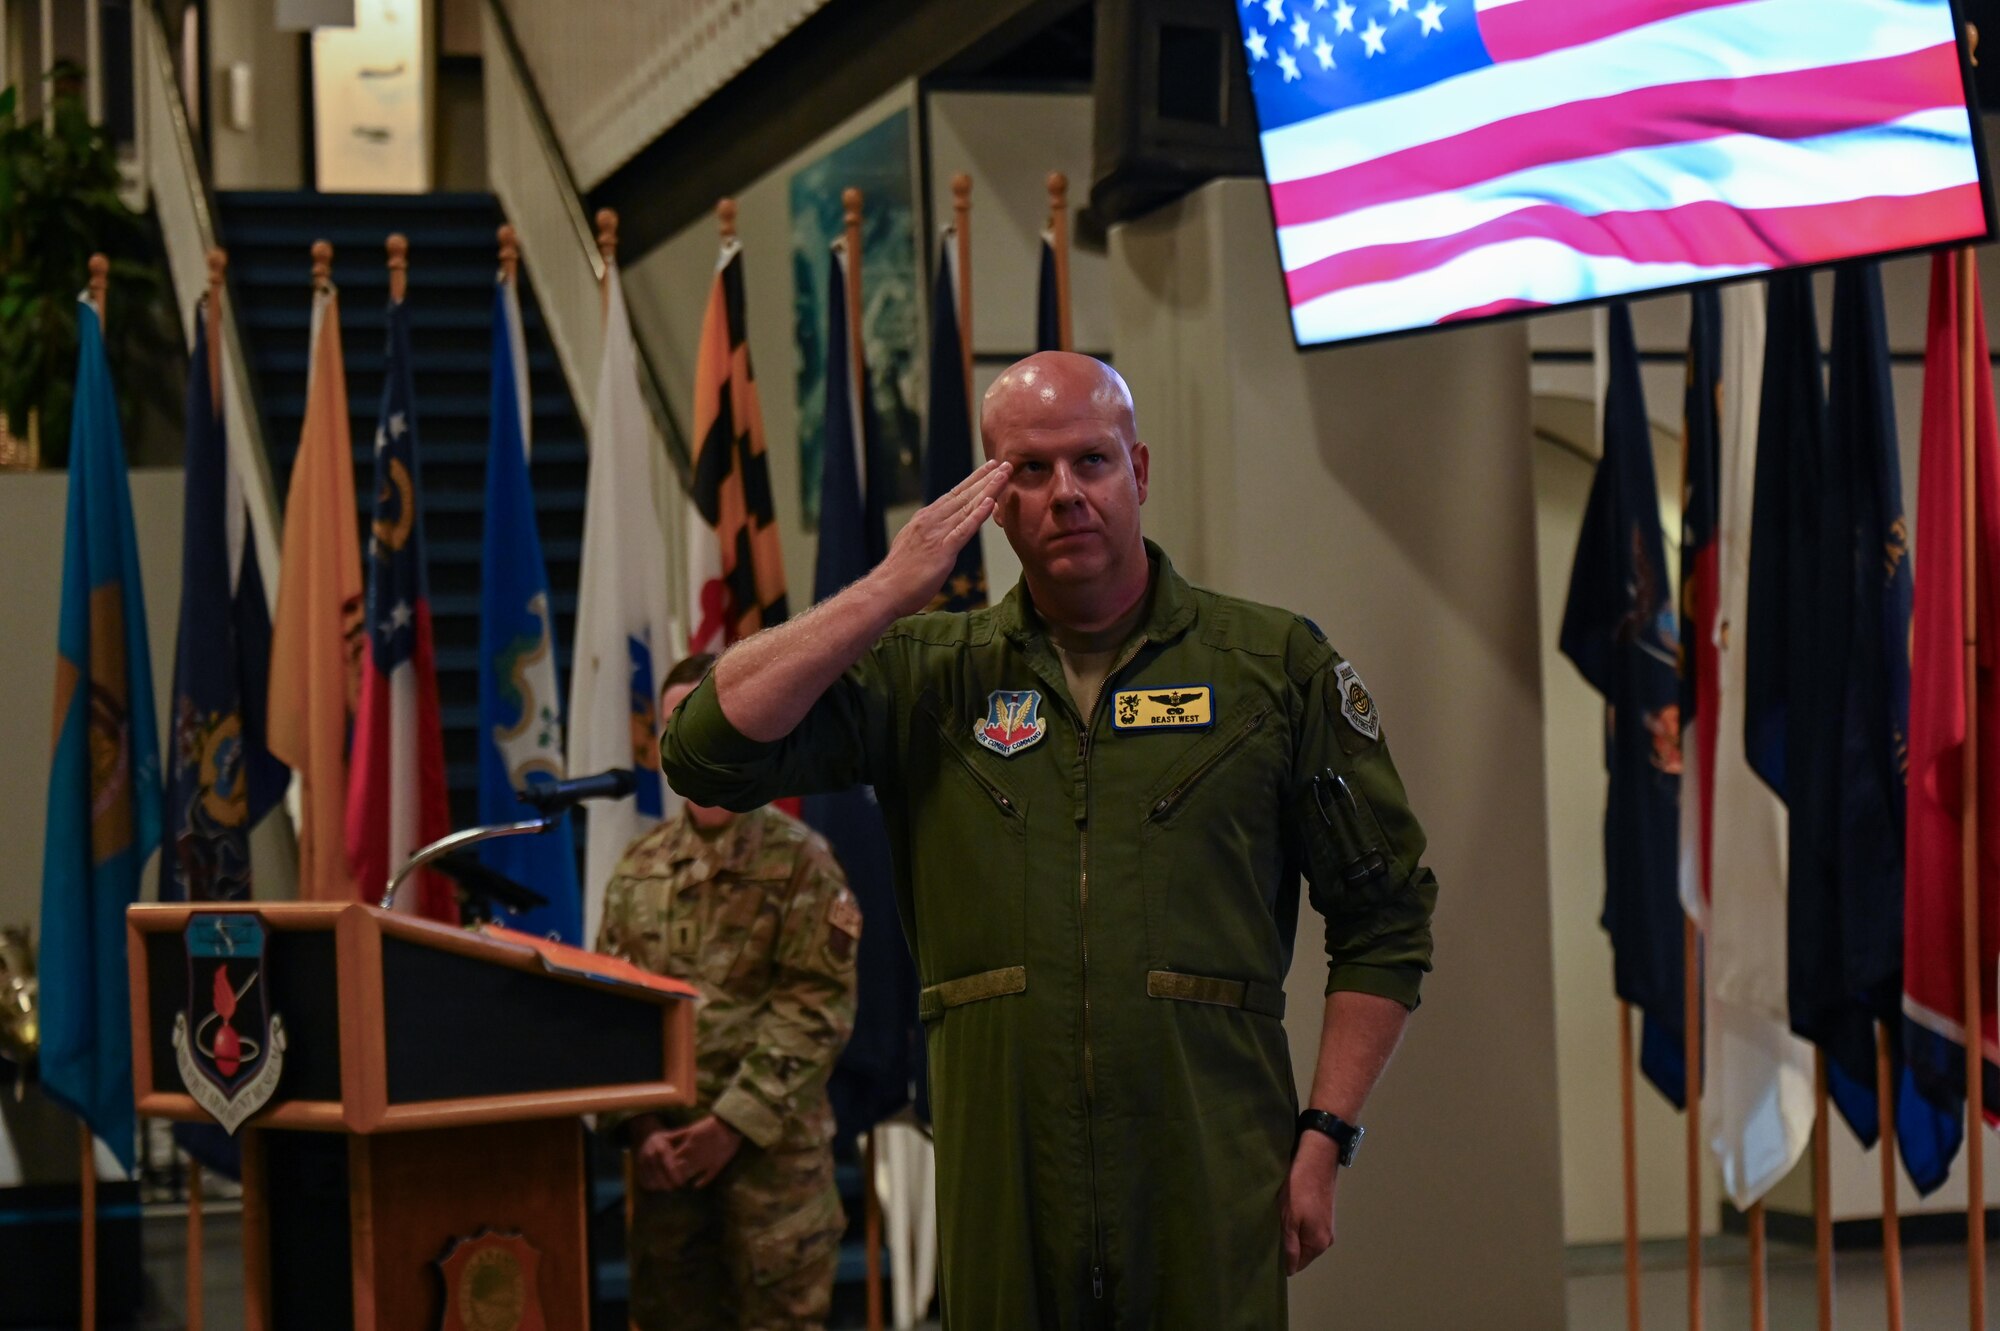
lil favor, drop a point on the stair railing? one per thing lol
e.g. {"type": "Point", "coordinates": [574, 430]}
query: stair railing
{"type": "Point", "coordinates": [539, 195]}
{"type": "Point", "coordinates": [173, 178]}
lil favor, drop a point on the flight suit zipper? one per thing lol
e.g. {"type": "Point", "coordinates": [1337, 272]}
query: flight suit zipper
{"type": "Point", "coordinates": [1089, 725]}
{"type": "Point", "coordinates": [1170, 801]}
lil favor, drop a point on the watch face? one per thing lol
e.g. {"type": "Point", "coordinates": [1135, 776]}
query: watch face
{"type": "Point", "coordinates": [1353, 1146]}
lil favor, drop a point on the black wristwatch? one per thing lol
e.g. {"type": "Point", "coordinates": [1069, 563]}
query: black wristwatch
{"type": "Point", "coordinates": [1347, 1136]}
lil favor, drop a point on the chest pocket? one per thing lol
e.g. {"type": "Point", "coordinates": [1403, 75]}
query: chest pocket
{"type": "Point", "coordinates": [724, 934]}
{"type": "Point", "coordinates": [968, 838]}
{"type": "Point", "coordinates": [1209, 848]}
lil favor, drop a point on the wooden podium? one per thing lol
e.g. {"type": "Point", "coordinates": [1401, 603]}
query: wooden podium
{"type": "Point", "coordinates": [426, 1103]}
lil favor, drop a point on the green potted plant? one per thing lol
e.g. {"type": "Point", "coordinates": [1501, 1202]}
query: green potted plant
{"type": "Point", "coordinates": [59, 204]}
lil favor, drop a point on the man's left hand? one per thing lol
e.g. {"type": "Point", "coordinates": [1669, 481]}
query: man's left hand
{"type": "Point", "coordinates": [703, 1149]}
{"type": "Point", "coordinates": [1307, 1201]}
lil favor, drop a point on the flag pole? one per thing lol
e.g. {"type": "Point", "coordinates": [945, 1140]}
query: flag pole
{"type": "Point", "coordinates": [1760, 1310]}
{"type": "Point", "coordinates": [1691, 1049]}
{"type": "Point", "coordinates": [961, 226]}
{"type": "Point", "coordinates": [631, 1210]}
{"type": "Point", "coordinates": [607, 248]}
{"type": "Point", "coordinates": [218, 261]}
{"type": "Point", "coordinates": [100, 277]}
{"type": "Point", "coordinates": [88, 1178]}
{"type": "Point", "coordinates": [195, 1229]}
{"type": "Point", "coordinates": [850, 203]}
{"type": "Point", "coordinates": [1059, 239]}
{"type": "Point", "coordinates": [1975, 1037]}
{"type": "Point", "coordinates": [398, 246]}
{"type": "Point", "coordinates": [1822, 1188]}
{"type": "Point", "coordinates": [1629, 1134]}
{"type": "Point", "coordinates": [322, 257]}
{"type": "Point", "coordinates": [1892, 1225]}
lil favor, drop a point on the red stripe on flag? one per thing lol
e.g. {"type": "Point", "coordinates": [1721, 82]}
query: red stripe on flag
{"type": "Point", "coordinates": [1709, 234]}
{"type": "Point", "coordinates": [1493, 307]}
{"type": "Point", "coordinates": [1518, 31]}
{"type": "Point", "coordinates": [1800, 104]}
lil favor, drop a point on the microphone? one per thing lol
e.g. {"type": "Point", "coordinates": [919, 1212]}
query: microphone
{"type": "Point", "coordinates": [553, 796]}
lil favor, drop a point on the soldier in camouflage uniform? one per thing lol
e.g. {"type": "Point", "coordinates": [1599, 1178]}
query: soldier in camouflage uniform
{"type": "Point", "coordinates": [737, 1223]}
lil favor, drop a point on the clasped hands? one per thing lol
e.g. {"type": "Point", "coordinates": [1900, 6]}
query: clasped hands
{"type": "Point", "coordinates": [693, 1156]}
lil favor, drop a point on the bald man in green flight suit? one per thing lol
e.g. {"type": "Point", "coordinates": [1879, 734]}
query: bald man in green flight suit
{"type": "Point", "coordinates": [1102, 793]}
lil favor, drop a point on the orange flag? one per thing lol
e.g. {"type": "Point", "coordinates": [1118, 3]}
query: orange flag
{"type": "Point", "coordinates": [316, 641]}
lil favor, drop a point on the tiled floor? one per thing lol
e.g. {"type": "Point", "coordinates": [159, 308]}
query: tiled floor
{"type": "Point", "coordinates": [1934, 1285]}
{"type": "Point", "coordinates": [1934, 1288]}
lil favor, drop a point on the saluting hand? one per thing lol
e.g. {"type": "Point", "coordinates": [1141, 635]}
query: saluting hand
{"type": "Point", "coordinates": [924, 551]}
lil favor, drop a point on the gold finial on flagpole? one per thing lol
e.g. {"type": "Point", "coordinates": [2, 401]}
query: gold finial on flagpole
{"type": "Point", "coordinates": [1059, 239]}
{"type": "Point", "coordinates": [850, 202]}
{"type": "Point", "coordinates": [1972, 43]}
{"type": "Point", "coordinates": [607, 235]}
{"type": "Point", "coordinates": [961, 221]}
{"type": "Point", "coordinates": [398, 246]}
{"type": "Point", "coordinates": [322, 257]}
{"type": "Point", "coordinates": [725, 218]}
{"type": "Point", "coordinates": [510, 253]}
{"type": "Point", "coordinates": [100, 281]}
{"type": "Point", "coordinates": [218, 262]}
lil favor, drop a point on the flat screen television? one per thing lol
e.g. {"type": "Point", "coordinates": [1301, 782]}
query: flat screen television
{"type": "Point", "coordinates": [1437, 161]}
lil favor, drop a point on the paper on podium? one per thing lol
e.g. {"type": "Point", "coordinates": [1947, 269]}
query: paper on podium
{"type": "Point", "coordinates": [580, 963]}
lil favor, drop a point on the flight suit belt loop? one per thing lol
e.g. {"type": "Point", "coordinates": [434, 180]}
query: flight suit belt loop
{"type": "Point", "coordinates": [1250, 995]}
{"type": "Point", "coordinates": [934, 999]}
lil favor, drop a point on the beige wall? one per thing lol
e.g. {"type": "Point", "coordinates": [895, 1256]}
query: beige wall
{"type": "Point", "coordinates": [1386, 492]}
{"type": "Point", "coordinates": [33, 509]}
{"type": "Point", "coordinates": [271, 153]}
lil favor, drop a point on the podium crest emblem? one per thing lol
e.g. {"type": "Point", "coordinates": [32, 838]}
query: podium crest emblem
{"type": "Point", "coordinates": [491, 1283]}
{"type": "Point", "coordinates": [228, 1042]}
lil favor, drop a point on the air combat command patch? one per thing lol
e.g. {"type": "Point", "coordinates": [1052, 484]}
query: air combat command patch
{"type": "Point", "coordinates": [1013, 721]}
{"type": "Point", "coordinates": [1355, 703]}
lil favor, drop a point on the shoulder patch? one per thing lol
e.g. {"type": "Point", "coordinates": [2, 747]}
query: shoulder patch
{"type": "Point", "coordinates": [843, 926]}
{"type": "Point", "coordinates": [1355, 702]}
{"type": "Point", "coordinates": [1313, 629]}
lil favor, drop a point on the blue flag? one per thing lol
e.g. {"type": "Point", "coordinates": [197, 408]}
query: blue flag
{"type": "Point", "coordinates": [948, 431]}
{"type": "Point", "coordinates": [221, 780]}
{"type": "Point", "coordinates": [874, 1075]}
{"type": "Point", "coordinates": [520, 700]}
{"type": "Point", "coordinates": [104, 785]}
{"type": "Point", "coordinates": [1619, 630]}
{"type": "Point", "coordinates": [1048, 300]}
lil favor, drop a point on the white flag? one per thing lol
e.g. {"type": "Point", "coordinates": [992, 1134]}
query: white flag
{"type": "Point", "coordinates": [624, 643]}
{"type": "Point", "coordinates": [1757, 1103]}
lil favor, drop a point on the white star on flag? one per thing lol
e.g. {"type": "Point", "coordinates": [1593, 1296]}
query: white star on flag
{"type": "Point", "coordinates": [381, 439]}
{"type": "Point", "coordinates": [397, 427]}
{"type": "Point", "coordinates": [1318, 5]}
{"type": "Point", "coordinates": [1325, 53]}
{"type": "Point", "coordinates": [1429, 17]}
{"type": "Point", "coordinates": [1371, 37]}
{"type": "Point", "coordinates": [400, 616]}
{"type": "Point", "coordinates": [1254, 43]}
{"type": "Point", "coordinates": [1289, 65]}
{"type": "Point", "coordinates": [1301, 32]}
{"type": "Point", "coordinates": [1276, 10]}
{"type": "Point", "coordinates": [1343, 17]}
{"type": "Point", "coordinates": [1399, 6]}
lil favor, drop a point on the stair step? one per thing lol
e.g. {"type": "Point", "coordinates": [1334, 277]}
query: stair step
{"type": "Point", "coordinates": [430, 407]}
{"type": "Point", "coordinates": [369, 361]}
{"type": "Point", "coordinates": [556, 551]}
{"type": "Point", "coordinates": [466, 604]}
{"type": "Point", "coordinates": [297, 318]}
{"type": "Point", "coordinates": [355, 244]}
{"type": "Point", "coordinates": [441, 201]}
{"type": "Point", "coordinates": [444, 273]}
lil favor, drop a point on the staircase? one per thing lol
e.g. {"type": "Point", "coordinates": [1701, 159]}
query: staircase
{"type": "Point", "coordinates": [453, 259]}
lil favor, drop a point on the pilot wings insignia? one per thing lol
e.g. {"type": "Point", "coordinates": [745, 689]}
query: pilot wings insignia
{"type": "Point", "coordinates": [1182, 705]}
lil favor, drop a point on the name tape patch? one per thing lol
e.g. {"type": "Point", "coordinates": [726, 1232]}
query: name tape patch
{"type": "Point", "coordinates": [1180, 706]}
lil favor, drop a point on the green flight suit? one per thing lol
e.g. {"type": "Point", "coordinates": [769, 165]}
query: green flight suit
{"type": "Point", "coordinates": [1102, 916]}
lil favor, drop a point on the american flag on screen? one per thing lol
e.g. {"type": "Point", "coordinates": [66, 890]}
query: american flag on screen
{"type": "Point", "coordinates": [1433, 160]}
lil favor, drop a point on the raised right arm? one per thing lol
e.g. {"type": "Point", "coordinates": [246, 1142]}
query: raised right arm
{"type": "Point", "coordinates": [742, 738]}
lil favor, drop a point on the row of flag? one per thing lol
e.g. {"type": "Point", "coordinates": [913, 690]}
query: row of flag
{"type": "Point", "coordinates": [338, 691]}
{"type": "Point", "coordinates": [1785, 747]}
